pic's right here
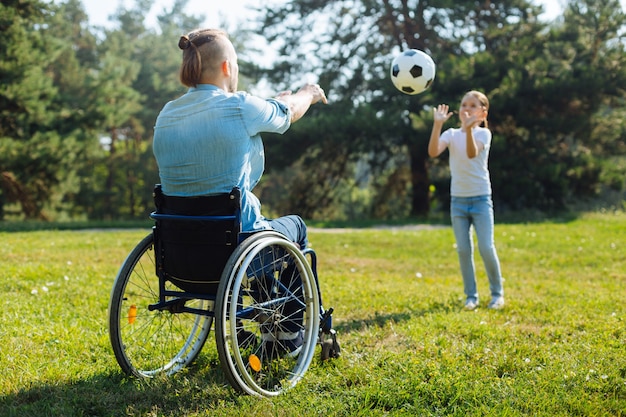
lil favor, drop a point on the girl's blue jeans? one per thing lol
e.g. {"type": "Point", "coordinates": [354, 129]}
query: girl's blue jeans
{"type": "Point", "coordinates": [477, 212]}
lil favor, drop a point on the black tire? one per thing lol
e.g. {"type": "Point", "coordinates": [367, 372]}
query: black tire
{"type": "Point", "coordinates": [267, 290]}
{"type": "Point", "coordinates": [147, 343]}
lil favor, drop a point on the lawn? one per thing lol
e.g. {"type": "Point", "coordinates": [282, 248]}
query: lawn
{"type": "Point", "coordinates": [558, 348]}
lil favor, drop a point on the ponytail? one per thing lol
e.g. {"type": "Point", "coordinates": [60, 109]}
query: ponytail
{"type": "Point", "coordinates": [197, 60]}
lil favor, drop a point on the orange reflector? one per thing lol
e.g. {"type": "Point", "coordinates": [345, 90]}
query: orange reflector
{"type": "Point", "coordinates": [132, 314]}
{"type": "Point", "coordinates": [254, 362]}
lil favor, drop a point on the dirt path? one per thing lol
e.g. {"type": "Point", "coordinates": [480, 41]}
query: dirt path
{"type": "Point", "coordinates": [381, 227]}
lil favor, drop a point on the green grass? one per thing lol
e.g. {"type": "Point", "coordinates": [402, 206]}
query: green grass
{"type": "Point", "coordinates": [557, 349]}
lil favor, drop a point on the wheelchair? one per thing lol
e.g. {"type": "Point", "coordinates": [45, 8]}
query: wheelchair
{"type": "Point", "coordinates": [196, 269]}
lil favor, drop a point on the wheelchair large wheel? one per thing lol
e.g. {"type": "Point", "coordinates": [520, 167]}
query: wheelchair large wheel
{"type": "Point", "coordinates": [266, 315]}
{"type": "Point", "coordinates": [147, 342]}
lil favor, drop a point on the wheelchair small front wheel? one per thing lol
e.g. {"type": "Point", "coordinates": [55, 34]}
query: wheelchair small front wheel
{"type": "Point", "coordinates": [330, 349]}
{"type": "Point", "coordinates": [145, 342]}
{"type": "Point", "coordinates": [266, 315]}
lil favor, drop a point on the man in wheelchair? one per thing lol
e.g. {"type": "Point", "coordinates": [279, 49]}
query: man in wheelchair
{"type": "Point", "coordinates": [212, 260]}
{"type": "Point", "coordinates": [208, 141]}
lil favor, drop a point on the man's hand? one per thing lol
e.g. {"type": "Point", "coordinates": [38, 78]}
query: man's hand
{"type": "Point", "coordinates": [300, 101]}
{"type": "Point", "coordinates": [316, 92]}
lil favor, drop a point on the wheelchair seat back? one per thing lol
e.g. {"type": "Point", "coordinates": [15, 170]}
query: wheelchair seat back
{"type": "Point", "coordinates": [194, 237]}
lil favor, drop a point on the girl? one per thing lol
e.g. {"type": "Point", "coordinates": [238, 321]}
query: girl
{"type": "Point", "coordinates": [470, 189]}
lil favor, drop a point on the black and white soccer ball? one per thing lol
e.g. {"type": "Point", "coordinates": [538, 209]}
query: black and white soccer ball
{"type": "Point", "coordinates": [413, 71]}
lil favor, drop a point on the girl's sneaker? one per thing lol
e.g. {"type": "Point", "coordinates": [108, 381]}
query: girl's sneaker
{"type": "Point", "coordinates": [496, 303]}
{"type": "Point", "coordinates": [471, 304]}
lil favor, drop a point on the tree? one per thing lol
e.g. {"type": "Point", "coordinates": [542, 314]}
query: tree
{"type": "Point", "coordinates": [349, 46]}
{"type": "Point", "coordinates": [550, 88]}
{"type": "Point", "coordinates": [132, 83]}
{"type": "Point", "coordinates": [549, 105]}
{"type": "Point", "coordinates": [42, 132]}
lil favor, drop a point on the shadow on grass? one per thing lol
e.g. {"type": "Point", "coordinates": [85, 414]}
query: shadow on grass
{"type": "Point", "coordinates": [113, 394]}
{"type": "Point", "coordinates": [202, 386]}
{"type": "Point", "coordinates": [380, 320]}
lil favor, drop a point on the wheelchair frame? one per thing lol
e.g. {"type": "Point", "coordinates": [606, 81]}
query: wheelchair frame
{"type": "Point", "coordinates": [158, 328]}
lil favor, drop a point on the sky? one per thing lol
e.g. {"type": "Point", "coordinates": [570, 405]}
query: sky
{"type": "Point", "coordinates": [230, 10]}
{"type": "Point", "coordinates": [216, 11]}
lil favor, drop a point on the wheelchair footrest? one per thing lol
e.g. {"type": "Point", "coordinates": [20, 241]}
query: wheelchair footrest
{"type": "Point", "coordinates": [328, 336]}
{"type": "Point", "coordinates": [330, 346]}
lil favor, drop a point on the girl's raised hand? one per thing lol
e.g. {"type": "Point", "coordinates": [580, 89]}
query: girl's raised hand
{"type": "Point", "coordinates": [442, 113]}
{"type": "Point", "coordinates": [471, 120]}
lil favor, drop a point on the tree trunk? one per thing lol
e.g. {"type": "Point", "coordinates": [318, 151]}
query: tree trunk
{"type": "Point", "coordinates": [108, 184]}
{"type": "Point", "coordinates": [420, 201]}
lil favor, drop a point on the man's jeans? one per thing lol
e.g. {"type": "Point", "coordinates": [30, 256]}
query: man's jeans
{"type": "Point", "coordinates": [293, 227]}
{"type": "Point", "coordinates": [476, 211]}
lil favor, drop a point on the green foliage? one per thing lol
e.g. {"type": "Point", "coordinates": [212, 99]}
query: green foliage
{"type": "Point", "coordinates": [353, 48]}
{"type": "Point", "coordinates": [132, 83]}
{"type": "Point", "coordinates": [551, 87]}
{"type": "Point", "coordinates": [408, 348]}
{"type": "Point", "coordinates": [78, 104]}
{"type": "Point", "coordinates": [26, 96]}
{"type": "Point", "coordinates": [558, 139]}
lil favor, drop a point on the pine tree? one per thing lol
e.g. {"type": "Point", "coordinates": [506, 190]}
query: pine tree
{"type": "Point", "coordinates": [27, 143]}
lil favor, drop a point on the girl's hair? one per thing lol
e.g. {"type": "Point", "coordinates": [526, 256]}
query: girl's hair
{"type": "Point", "coordinates": [202, 52]}
{"type": "Point", "coordinates": [482, 99]}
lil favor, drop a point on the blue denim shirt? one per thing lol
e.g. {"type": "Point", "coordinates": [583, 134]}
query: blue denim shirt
{"type": "Point", "coordinates": [208, 141]}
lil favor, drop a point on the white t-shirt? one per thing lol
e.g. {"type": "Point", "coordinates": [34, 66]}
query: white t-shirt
{"type": "Point", "coordinates": [470, 177]}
